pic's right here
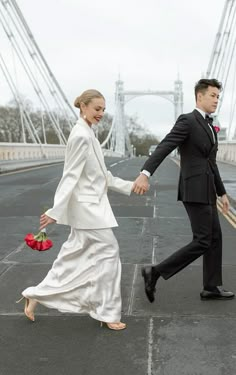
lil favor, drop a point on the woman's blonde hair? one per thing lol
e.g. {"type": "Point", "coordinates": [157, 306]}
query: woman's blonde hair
{"type": "Point", "coordinates": [86, 97]}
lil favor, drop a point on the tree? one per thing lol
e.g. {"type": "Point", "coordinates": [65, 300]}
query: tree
{"type": "Point", "coordinates": [140, 137]}
{"type": "Point", "coordinates": [12, 125]}
{"type": "Point", "coordinates": [104, 127]}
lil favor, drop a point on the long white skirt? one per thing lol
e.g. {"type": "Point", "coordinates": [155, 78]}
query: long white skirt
{"type": "Point", "coordinates": [85, 277]}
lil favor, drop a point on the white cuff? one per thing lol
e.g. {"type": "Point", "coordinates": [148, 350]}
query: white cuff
{"type": "Point", "coordinates": [148, 174]}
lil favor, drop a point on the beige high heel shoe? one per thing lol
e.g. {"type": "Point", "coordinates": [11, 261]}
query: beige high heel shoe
{"type": "Point", "coordinates": [28, 314]}
{"type": "Point", "coordinates": [114, 326]}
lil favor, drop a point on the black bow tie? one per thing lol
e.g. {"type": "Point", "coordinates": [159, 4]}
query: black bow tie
{"type": "Point", "coordinates": [209, 119]}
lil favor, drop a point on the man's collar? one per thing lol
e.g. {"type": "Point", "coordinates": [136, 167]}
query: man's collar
{"type": "Point", "coordinates": [201, 111]}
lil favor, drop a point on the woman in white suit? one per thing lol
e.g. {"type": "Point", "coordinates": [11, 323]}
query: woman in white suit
{"type": "Point", "coordinates": [85, 277]}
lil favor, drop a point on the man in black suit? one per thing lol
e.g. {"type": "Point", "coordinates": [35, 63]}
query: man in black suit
{"type": "Point", "coordinates": [199, 186]}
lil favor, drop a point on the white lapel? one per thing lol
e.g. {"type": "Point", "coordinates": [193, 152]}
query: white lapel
{"type": "Point", "coordinates": [98, 151]}
{"type": "Point", "coordinates": [96, 145]}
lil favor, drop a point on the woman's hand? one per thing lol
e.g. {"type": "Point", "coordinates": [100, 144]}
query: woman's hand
{"type": "Point", "coordinates": [45, 220]}
{"type": "Point", "coordinates": [140, 185]}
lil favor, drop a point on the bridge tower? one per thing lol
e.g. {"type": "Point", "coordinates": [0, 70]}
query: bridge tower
{"type": "Point", "coordinates": [118, 142]}
{"type": "Point", "coordinates": [118, 136]}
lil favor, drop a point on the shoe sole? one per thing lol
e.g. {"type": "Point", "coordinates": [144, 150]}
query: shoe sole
{"type": "Point", "coordinates": [216, 298]}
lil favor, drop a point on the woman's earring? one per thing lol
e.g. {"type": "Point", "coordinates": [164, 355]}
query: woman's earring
{"type": "Point", "coordinates": [84, 117]}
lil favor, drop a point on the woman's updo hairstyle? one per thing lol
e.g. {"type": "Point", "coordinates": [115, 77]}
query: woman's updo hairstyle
{"type": "Point", "coordinates": [86, 97]}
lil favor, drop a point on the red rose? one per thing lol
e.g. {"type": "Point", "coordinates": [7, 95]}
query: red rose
{"type": "Point", "coordinates": [39, 241]}
{"type": "Point", "coordinates": [217, 128]}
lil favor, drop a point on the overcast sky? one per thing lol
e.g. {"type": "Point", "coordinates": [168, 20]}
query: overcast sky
{"type": "Point", "coordinates": [88, 43]}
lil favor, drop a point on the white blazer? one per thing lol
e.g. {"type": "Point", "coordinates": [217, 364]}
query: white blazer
{"type": "Point", "coordinates": [81, 197]}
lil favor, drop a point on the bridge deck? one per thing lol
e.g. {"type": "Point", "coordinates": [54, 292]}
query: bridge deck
{"type": "Point", "coordinates": [177, 335]}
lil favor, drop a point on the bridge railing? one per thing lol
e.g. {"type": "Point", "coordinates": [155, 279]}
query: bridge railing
{"type": "Point", "coordinates": [22, 151]}
{"type": "Point", "coordinates": [227, 151]}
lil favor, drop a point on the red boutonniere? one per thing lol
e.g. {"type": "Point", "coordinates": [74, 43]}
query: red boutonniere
{"type": "Point", "coordinates": [217, 128]}
{"type": "Point", "coordinates": [39, 241]}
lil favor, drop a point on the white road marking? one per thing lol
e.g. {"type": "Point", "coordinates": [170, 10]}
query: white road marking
{"type": "Point", "coordinates": [155, 208]}
{"type": "Point", "coordinates": [112, 165]}
{"type": "Point", "coordinates": [131, 299]}
{"type": "Point", "coordinates": [150, 346]}
{"type": "Point", "coordinates": [154, 247]}
{"type": "Point", "coordinates": [144, 227]}
{"type": "Point", "coordinates": [15, 251]}
{"type": "Point", "coordinates": [118, 162]}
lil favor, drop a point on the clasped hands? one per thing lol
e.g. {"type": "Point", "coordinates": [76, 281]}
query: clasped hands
{"type": "Point", "coordinates": [141, 185]}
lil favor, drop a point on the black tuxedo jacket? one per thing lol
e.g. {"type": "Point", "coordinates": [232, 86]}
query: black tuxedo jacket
{"type": "Point", "coordinates": [199, 179]}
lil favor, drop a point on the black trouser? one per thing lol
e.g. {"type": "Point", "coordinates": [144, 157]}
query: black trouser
{"type": "Point", "coordinates": [207, 241]}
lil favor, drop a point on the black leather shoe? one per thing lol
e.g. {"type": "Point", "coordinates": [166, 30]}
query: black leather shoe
{"type": "Point", "coordinates": [149, 283]}
{"type": "Point", "coordinates": [216, 293]}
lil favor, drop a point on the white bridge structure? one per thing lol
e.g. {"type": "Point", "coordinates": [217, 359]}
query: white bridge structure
{"type": "Point", "coordinates": [50, 95]}
{"type": "Point", "coordinates": [117, 141]}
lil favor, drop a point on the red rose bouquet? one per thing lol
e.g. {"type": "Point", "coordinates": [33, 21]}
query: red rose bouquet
{"type": "Point", "coordinates": [39, 241]}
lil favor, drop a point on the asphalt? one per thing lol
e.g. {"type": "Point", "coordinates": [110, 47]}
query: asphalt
{"type": "Point", "coordinates": [8, 166]}
{"type": "Point", "coordinates": [176, 335]}
{"type": "Point", "coordinates": [228, 175]}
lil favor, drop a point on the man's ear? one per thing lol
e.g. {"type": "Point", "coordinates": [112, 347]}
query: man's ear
{"type": "Point", "coordinates": [199, 97]}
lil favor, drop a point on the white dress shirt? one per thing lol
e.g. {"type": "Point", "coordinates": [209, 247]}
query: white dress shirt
{"type": "Point", "coordinates": [204, 116]}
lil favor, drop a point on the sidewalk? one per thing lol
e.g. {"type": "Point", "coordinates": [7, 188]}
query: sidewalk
{"type": "Point", "coordinates": [16, 165]}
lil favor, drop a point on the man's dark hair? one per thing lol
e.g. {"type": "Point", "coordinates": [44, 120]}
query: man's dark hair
{"type": "Point", "coordinates": [203, 84]}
